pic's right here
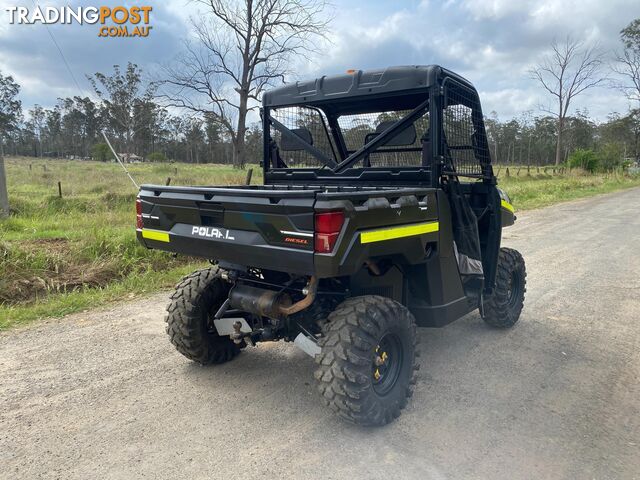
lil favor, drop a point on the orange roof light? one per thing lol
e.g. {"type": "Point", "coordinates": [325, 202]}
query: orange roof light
{"type": "Point", "coordinates": [351, 71]}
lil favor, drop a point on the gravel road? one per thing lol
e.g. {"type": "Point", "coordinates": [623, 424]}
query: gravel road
{"type": "Point", "coordinates": [104, 395]}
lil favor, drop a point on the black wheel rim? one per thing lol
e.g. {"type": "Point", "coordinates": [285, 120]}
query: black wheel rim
{"type": "Point", "coordinates": [386, 363]}
{"type": "Point", "coordinates": [515, 287]}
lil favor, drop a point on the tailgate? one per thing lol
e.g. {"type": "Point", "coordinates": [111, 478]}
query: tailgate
{"type": "Point", "coordinates": [263, 227]}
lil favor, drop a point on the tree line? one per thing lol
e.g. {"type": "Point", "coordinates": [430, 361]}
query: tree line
{"type": "Point", "coordinates": [127, 113]}
{"type": "Point", "coordinates": [532, 140]}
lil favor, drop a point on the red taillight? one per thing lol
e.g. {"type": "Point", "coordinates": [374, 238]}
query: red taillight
{"type": "Point", "coordinates": [327, 228]}
{"type": "Point", "coordinates": [139, 223]}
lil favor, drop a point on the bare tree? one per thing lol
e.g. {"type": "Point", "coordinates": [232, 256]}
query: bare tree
{"type": "Point", "coordinates": [242, 47]}
{"type": "Point", "coordinates": [628, 67]}
{"type": "Point", "coordinates": [570, 69]}
{"type": "Point", "coordinates": [627, 64]}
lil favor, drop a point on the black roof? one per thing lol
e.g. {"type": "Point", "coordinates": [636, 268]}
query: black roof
{"type": "Point", "coordinates": [361, 83]}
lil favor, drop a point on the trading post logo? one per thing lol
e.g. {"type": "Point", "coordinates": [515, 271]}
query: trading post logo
{"type": "Point", "coordinates": [113, 21]}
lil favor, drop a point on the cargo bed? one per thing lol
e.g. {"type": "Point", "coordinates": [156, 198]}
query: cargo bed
{"type": "Point", "coordinates": [270, 227]}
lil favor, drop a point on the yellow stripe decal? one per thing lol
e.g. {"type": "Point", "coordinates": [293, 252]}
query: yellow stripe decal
{"type": "Point", "coordinates": [398, 232]}
{"type": "Point", "coordinates": [156, 235]}
{"type": "Point", "coordinates": [507, 205]}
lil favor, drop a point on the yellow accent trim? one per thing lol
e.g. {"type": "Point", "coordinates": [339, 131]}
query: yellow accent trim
{"type": "Point", "coordinates": [156, 235]}
{"type": "Point", "coordinates": [399, 232]}
{"type": "Point", "coordinates": [507, 205]}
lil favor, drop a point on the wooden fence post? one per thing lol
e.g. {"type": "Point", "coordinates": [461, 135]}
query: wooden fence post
{"type": "Point", "coordinates": [168, 181]}
{"type": "Point", "coordinates": [60, 189]}
{"type": "Point", "coordinates": [507, 172]}
{"type": "Point", "coordinates": [4, 196]}
{"type": "Point", "coordinates": [247, 180]}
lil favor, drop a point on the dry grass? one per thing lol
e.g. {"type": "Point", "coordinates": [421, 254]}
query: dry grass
{"type": "Point", "coordinates": [52, 245]}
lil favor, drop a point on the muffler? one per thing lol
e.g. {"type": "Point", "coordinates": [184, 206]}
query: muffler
{"type": "Point", "coordinates": [259, 301]}
{"type": "Point", "coordinates": [269, 303]}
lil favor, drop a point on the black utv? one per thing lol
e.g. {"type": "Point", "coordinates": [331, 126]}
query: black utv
{"type": "Point", "coordinates": [378, 213]}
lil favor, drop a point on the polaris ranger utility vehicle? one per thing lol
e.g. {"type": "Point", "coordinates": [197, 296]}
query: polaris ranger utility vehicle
{"type": "Point", "coordinates": [379, 213]}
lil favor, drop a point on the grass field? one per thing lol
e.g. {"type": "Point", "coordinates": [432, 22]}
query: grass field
{"type": "Point", "coordinates": [540, 190]}
{"type": "Point", "coordinates": [61, 255]}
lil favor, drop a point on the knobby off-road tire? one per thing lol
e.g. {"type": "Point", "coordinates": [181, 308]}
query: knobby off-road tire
{"type": "Point", "coordinates": [502, 309]}
{"type": "Point", "coordinates": [351, 342]}
{"type": "Point", "coordinates": [195, 301]}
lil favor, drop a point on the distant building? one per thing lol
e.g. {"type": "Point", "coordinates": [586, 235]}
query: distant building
{"type": "Point", "coordinates": [130, 158]}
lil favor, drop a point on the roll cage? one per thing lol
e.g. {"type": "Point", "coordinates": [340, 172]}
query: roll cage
{"type": "Point", "coordinates": [451, 142]}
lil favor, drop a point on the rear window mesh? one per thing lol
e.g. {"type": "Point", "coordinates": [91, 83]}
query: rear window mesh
{"type": "Point", "coordinates": [359, 129]}
{"type": "Point", "coordinates": [464, 143]}
{"type": "Point", "coordinates": [308, 118]}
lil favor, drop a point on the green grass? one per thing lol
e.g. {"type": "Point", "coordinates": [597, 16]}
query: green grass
{"type": "Point", "coordinates": [536, 191]}
{"type": "Point", "coordinates": [60, 255]}
{"type": "Point", "coordinates": [69, 254]}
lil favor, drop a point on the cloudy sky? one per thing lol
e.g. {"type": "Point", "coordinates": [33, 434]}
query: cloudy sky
{"type": "Point", "coordinates": [493, 43]}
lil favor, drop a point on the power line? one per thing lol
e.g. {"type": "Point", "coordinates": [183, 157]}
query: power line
{"type": "Point", "coordinates": [64, 59]}
{"type": "Point", "coordinates": [73, 77]}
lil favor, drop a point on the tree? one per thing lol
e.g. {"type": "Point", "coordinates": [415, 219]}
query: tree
{"type": "Point", "coordinates": [254, 143]}
{"type": "Point", "coordinates": [628, 61]}
{"type": "Point", "coordinates": [214, 138]}
{"type": "Point", "coordinates": [194, 138]}
{"type": "Point", "coordinates": [101, 152]}
{"type": "Point", "coordinates": [37, 115]}
{"type": "Point", "coordinates": [631, 34]}
{"type": "Point", "coordinates": [176, 127]}
{"type": "Point", "coordinates": [10, 115]}
{"type": "Point", "coordinates": [243, 46]}
{"type": "Point", "coordinates": [624, 131]}
{"type": "Point", "coordinates": [53, 126]}
{"type": "Point", "coordinates": [123, 93]}
{"type": "Point", "coordinates": [151, 117]}
{"type": "Point", "coordinates": [569, 70]}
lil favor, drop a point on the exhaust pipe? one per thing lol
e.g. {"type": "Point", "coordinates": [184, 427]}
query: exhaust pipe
{"type": "Point", "coordinates": [269, 303]}
{"type": "Point", "coordinates": [309, 291]}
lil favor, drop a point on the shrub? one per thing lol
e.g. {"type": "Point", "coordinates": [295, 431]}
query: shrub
{"type": "Point", "coordinates": [101, 152]}
{"type": "Point", "coordinates": [157, 157]}
{"type": "Point", "coordinates": [611, 156]}
{"type": "Point", "coordinates": [585, 159]}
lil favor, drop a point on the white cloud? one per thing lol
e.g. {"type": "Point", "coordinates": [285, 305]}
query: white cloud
{"type": "Point", "coordinates": [494, 44]}
{"type": "Point", "coordinates": [494, 9]}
